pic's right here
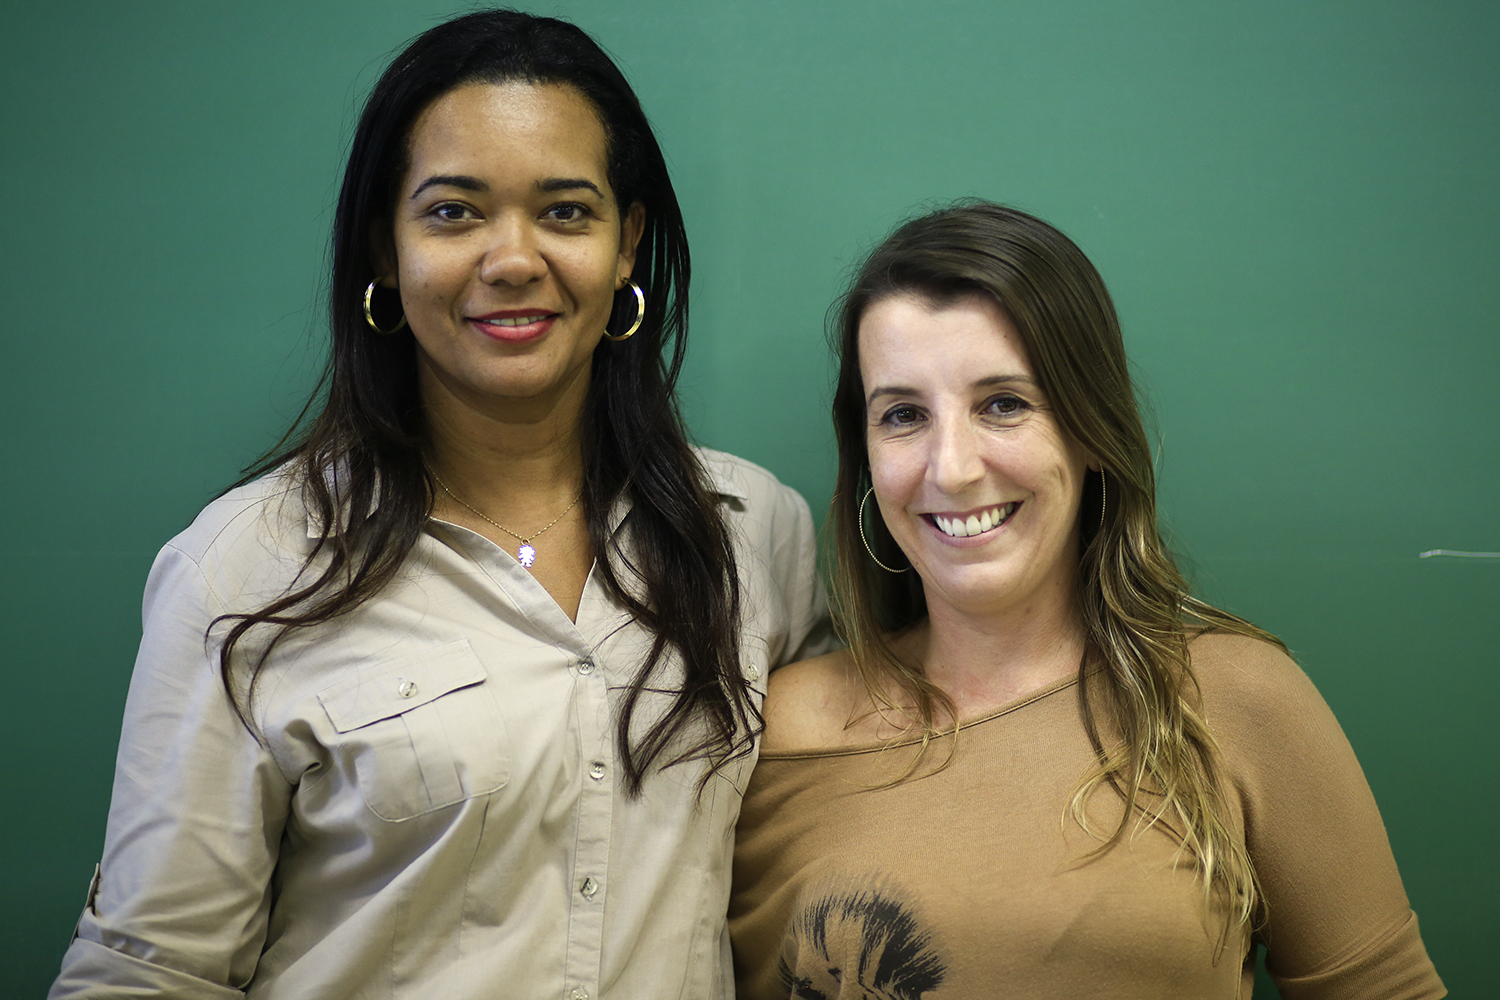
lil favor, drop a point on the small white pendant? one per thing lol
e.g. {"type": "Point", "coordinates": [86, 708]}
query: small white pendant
{"type": "Point", "coordinates": [526, 555]}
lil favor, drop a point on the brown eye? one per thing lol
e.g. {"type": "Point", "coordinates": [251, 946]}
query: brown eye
{"type": "Point", "coordinates": [901, 416]}
{"type": "Point", "coordinates": [451, 211]}
{"type": "Point", "coordinates": [567, 212]}
{"type": "Point", "coordinates": [1006, 406]}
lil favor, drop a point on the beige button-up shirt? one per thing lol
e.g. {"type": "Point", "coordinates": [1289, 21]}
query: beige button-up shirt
{"type": "Point", "coordinates": [433, 809]}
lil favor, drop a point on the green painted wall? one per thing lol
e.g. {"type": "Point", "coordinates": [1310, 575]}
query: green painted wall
{"type": "Point", "coordinates": [1295, 205]}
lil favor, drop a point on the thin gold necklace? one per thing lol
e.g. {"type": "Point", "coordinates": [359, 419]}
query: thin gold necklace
{"type": "Point", "coordinates": [526, 554]}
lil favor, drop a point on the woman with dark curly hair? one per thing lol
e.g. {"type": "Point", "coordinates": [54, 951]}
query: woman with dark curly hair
{"type": "Point", "coordinates": [1042, 769]}
{"type": "Point", "coordinates": [454, 695]}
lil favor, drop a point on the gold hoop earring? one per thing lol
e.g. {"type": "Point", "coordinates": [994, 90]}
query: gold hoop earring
{"type": "Point", "coordinates": [1103, 498]}
{"type": "Point", "coordinates": [640, 314]}
{"type": "Point", "coordinates": [370, 316]}
{"type": "Point", "coordinates": [873, 556]}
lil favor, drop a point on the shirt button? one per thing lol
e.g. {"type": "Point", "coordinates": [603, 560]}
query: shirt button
{"type": "Point", "coordinates": [585, 667]}
{"type": "Point", "coordinates": [597, 771]}
{"type": "Point", "coordinates": [578, 993]}
{"type": "Point", "coordinates": [590, 886]}
{"type": "Point", "coordinates": [406, 688]}
{"type": "Point", "coordinates": [753, 673]}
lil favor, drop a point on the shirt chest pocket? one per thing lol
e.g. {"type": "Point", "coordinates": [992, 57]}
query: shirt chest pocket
{"type": "Point", "coordinates": [423, 731]}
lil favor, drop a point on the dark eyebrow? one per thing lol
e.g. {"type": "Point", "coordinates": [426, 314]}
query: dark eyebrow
{"type": "Point", "coordinates": [567, 184]}
{"type": "Point", "coordinates": [984, 383]}
{"type": "Point", "coordinates": [452, 180]}
{"type": "Point", "coordinates": [467, 183]}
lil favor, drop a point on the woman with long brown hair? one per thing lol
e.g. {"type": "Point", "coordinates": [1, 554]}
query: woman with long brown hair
{"type": "Point", "coordinates": [454, 695]}
{"type": "Point", "coordinates": [1042, 769]}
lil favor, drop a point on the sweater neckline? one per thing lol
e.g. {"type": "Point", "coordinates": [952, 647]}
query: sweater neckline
{"type": "Point", "coordinates": [878, 746]}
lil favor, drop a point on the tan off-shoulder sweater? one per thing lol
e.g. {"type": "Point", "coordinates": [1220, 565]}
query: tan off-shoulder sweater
{"type": "Point", "coordinates": [966, 882]}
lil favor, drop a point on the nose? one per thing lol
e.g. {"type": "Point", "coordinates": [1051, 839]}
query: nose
{"type": "Point", "coordinates": [513, 255]}
{"type": "Point", "coordinates": [954, 463]}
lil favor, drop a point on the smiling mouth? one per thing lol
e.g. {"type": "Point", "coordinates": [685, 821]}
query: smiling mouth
{"type": "Point", "coordinates": [515, 320]}
{"type": "Point", "coordinates": [974, 524]}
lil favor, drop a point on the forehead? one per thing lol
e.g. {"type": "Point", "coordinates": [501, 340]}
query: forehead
{"type": "Point", "coordinates": [910, 340]}
{"type": "Point", "coordinates": [486, 128]}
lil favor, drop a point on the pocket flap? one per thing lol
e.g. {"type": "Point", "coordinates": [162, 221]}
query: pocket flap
{"type": "Point", "coordinates": [390, 687]}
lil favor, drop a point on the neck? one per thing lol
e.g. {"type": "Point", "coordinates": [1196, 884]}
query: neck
{"type": "Point", "coordinates": [983, 661]}
{"type": "Point", "coordinates": [525, 454]}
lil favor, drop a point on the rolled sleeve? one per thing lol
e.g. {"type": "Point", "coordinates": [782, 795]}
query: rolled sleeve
{"type": "Point", "coordinates": [196, 816]}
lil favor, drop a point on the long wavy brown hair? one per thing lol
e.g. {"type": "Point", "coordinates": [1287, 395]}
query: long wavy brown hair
{"type": "Point", "coordinates": [1137, 691]}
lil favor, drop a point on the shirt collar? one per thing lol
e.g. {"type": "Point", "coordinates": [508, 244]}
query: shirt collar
{"type": "Point", "coordinates": [723, 479]}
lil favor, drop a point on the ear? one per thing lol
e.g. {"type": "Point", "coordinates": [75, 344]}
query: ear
{"type": "Point", "coordinates": [383, 254]}
{"type": "Point", "coordinates": [631, 227]}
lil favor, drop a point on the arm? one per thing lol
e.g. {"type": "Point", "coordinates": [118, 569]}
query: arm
{"type": "Point", "coordinates": [1338, 924]}
{"type": "Point", "coordinates": [194, 823]}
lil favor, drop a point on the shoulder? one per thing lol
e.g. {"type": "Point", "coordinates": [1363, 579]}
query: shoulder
{"type": "Point", "coordinates": [1256, 699]}
{"type": "Point", "coordinates": [809, 703]}
{"type": "Point", "coordinates": [252, 537]}
{"type": "Point", "coordinates": [1242, 672]}
{"type": "Point", "coordinates": [776, 553]}
{"type": "Point", "coordinates": [754, 487]}
{"type": "Point", "coordinates": [241, 552]}
{"type": "Point", "coordinates": [769, 518]}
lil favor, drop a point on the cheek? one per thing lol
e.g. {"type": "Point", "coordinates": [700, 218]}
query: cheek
{"type": "Point", "coordinates": [427, 274]}
{"type": "Point", "coordinates": [1061, 483]}
{"type": "Point", "coordinates": [896, 471]}
{"type": "Point", "coordinates": [592, 276]}
{"type": "Point", "coordinates": [1047, 460]}
{"type": "Point", "coordinates": [428, 266]}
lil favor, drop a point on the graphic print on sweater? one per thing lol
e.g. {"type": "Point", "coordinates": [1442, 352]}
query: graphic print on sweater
{"type": "Point", "coordinates": [859, 944]}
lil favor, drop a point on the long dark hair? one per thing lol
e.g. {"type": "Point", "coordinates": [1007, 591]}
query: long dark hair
{"type": "Point", "coordinates": [359, 461]}
{"type": "Point", "coordinates": [1134, 604]}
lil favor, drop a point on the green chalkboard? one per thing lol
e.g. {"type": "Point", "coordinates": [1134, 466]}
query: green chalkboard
{"type": "Point", "coordinates": [1294, 204]}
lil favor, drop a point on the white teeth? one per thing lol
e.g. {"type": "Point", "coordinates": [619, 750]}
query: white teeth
{"type": "Point", "coordinates": [974, 524]}
{"type": "Point", "coordinates": [516, 320]}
